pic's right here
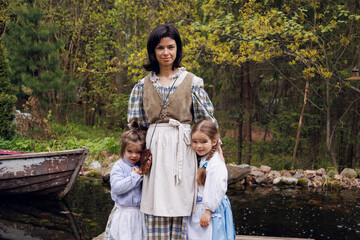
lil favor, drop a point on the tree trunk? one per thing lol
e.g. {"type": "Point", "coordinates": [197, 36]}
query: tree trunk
{"type": "Point", "coordinates": [247, 112]}
{"type": "Point", "coordinates": [300, 121]}
{"type": "Point", "coordinates": [241, 117]}
{"type": "Point", "coordinates": [328, 125]}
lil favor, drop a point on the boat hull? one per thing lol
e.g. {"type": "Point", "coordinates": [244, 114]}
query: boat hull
{"type": "Point", "coordinates": [41, 174]}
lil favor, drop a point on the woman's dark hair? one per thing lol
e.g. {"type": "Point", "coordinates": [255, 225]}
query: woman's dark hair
{"type": "Point", "coordinates": [162, 31]}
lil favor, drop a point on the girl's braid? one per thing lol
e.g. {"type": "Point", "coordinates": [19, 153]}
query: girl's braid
{"type": "Point", "coordinates": [212, 151]}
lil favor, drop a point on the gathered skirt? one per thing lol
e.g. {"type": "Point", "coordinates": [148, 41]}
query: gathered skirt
{"type": "Point", "coordinates": [125, 223]}
{"type": "Point", "coordinates": [169, 189]}
{"type": "Point", "coordinates": [221, 226]}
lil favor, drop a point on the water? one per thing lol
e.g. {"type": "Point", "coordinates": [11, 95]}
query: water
{"type": "Point", "coordinates": [283, 212]}
{"type": "Point", "coordinates": [297, 212]}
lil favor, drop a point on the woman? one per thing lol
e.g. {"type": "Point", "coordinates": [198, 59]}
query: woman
{"type": "Point", "coordinates": [166, 102]}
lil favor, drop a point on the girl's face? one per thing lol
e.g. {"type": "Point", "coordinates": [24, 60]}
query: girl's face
{"type": "Point", "coordinates": [133, 152]}
{"type": "Point", "coordinates": [165, 52]}
{"type": "Point", "coordinates": [201, 143]}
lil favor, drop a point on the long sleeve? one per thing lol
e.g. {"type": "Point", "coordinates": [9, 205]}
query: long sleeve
{"type": "Point", "coordinates": [202, 105]}
{"type": "Point", "coordinates": [135, 106]}
{"type": "Point", "coordinates": [121, 182]}
{"type": "Point", "coordinates": [125, 185]}
{"type": "Point", "coordinates": [216, 183]}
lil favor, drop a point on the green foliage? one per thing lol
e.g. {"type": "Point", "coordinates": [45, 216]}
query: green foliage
{"type": "Point", "coordinates": [229, 148]}
{"type": "Point", "coordinates": [34, 51]}
{"type": "Point", "coordinates": [7, 97]}
{"type": "Point", "coordinates": [71, 136]}
{"type": "Point", "coordinates": [284, 42]}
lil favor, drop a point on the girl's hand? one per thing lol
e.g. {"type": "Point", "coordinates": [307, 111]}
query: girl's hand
{"type": "Point", "coordinates": [137, 170]}
{"type": "Point", "coordinates": [205, 218]}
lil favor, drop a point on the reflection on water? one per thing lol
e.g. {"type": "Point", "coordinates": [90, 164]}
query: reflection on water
{"type": "Point", "coordinates": [82, 214]}
{"type": "Point", "coordinates": [297, 212]}
{"type": "Point", "coordinates": [287, 212]}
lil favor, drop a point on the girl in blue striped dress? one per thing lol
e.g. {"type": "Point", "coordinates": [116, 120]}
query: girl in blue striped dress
{"type": "Point", "coordinates": [212, 218]}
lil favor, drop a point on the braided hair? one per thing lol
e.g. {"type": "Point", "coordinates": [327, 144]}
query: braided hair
{"type": "Point", "coordinates": [209, 129]}
{"type": "Point", "coordinates": [136, 135]}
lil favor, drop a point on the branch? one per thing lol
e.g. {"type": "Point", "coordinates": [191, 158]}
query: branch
{"type": "Point", "coordinates": [301, 91]}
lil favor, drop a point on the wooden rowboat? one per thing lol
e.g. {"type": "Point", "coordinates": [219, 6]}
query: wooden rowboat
{"type": "Point", "coordinates": [49, 174]}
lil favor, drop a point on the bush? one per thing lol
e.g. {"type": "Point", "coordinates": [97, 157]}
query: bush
{"type": "Point", "coordinates": [7, 97]}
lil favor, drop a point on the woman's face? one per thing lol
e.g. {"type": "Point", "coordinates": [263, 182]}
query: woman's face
{"type": "Point", "coordinates": [165, 52]}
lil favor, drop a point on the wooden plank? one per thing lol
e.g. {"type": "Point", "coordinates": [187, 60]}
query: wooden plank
{"type": "Point", "coordinates": [238, 237]}
{"type": "Point", "coordinates": [247, 237]}
{"type": "Point", "coordinates": [42, 154]}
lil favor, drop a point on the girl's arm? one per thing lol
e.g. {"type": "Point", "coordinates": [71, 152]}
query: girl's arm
{"type": "Point", "coordinates": [120, 183]}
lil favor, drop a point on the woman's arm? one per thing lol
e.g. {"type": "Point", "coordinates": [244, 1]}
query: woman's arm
{"type": "Point", "coordinates": [135, 105]}
{"type": "Point", "coordinates": [202, 105]}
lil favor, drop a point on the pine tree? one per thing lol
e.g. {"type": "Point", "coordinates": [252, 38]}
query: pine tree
{"type": "Point", "coordinates": [7, 97]}
{"type": "Point", "coordinates": [34, 51]}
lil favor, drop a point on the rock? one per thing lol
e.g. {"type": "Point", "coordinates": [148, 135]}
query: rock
{"type": "Point", "coordinates": [348, 172]}
{"type": "Point", "coordinates": [336, 185]}
{"type": "Point", "coordinates": [285, 181]}
{"type": "Point", "coordinates": [257, 173]}
{"type": "Point", "coordinates": [273, 174]}
{"type": "Point", "coordinates": [287, 174]}
{"type": "Point", "coordinates": [236, 173]}
{"type": "Point", "coordinates": [253, 168]}
{"type": "Point", "coordinates": [262, 179]}
{"type": "Point", "coordinates": [304, 182]}
{"type": "Point", "coordinates": [298, 175]}
{"type": "Point", "coordinates": [321, 171]}
{"type": "Point", "coordinates": [317, 181]}
{"type": "Point", "coordinates": [93, 173]}
{"type": "Point", "coordinates": [331, 173]}
{"type": "Point", "coordinates": [265, 169]}
{"type": "Point", "coordinates": [337, 177]}
{"type": "Point", "coordinates": [309, 173]}
{"type": "Point", "coordinates": [358, 172]}
{"type": "Point", "coordinates": [95, 165]}
{"type": "Point", "coordinates": [106, 173]}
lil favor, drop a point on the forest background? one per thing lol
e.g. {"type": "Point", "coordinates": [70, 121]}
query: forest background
{"type": "Point", "coordinates": [274, 69]}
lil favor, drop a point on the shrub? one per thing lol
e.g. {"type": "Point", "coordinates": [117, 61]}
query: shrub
{"type": "Point", "coordinates": [7, 97]}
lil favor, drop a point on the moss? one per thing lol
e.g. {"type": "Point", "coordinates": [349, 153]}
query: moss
{"type": "Point", "coordinates": [336, 185]}
{"type": "Point", "coordinates": [46, 223]}
{"type": "Point", "coordinates": [331, 173]}
{"type": "Point", "coordinates": [94, 173]}
{"type": "Point", "coordinates": [303, 182]}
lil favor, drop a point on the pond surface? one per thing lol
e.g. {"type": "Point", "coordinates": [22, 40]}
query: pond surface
{"type": "Point", "coordinates": [283, 212]}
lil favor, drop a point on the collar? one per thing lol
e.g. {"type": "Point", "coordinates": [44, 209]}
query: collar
{"type": "Point", "coordinates": [127, 162]}
{"type": "Point", "coordinates": [203, 164]}
{"type": "Point", "coordinates": [155, 78]}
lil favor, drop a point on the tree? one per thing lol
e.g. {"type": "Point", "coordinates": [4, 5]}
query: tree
{"type": "Point", "coordinates": [34, 54]}
{"type": "Point", "coordinates": [7, 96]}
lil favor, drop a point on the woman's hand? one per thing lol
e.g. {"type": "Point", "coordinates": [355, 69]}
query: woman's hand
{"type": "Point", "coordinates": [220, 151]}
{"type": "Point", "coordinates": [205, 218]}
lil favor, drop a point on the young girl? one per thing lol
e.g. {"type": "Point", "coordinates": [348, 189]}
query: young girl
{"type": "Point", "coordinates": [125, 220]}
{"type": "Point", "coordinates": [212, 218]}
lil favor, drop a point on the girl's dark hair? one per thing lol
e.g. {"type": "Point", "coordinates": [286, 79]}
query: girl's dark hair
{"type": "Point", "coordinates": [162, 31]}
{"type": "Point", "coordinates": [135, 136]}
{"type": "Point", "coordinates": [209, 128]}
